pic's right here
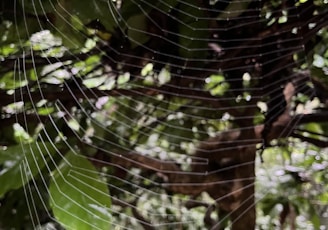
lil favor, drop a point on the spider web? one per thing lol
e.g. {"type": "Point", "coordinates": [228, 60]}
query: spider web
{"type": "Point", "coordinates": [140, 111]}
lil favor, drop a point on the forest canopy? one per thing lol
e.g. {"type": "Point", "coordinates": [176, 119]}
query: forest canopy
{"type": "Point", "coordinates": [176, 114]}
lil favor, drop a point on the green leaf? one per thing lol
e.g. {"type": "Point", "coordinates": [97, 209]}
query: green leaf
{"type": "Point", "coordinates": [20, 134]}
{"type": "Point", "coordinates": [270, 202]}
{"type": "Point", "coordinates": [67, 28]}
{"type": "Point", "coordinates": [38, 7]}
{"type": "Point", "coordinates": [95, 81]}
{"type": "Point", "coordinates": [314, 127]}
{"type": "Point", "coordinates": [136, 30]}
{"type": "Point", "coordinates": [87, 11]}
{"type": "Point", "coordinates": [131, 8]}
{"type": "Point", "coordinates": [78, 197]}
{"type": "Point", "coordinates": [15, 160]}
{"type": "Point", "coordinates": [12, 80]}
{"type": "Point", "coordinates": [193, 34]}
{"type": "Point", "coordinates": [216, 84]}
{"type": "Point", "coordinates": [45, 110]}
{"type": "Point", "coordinates": [124, 78]}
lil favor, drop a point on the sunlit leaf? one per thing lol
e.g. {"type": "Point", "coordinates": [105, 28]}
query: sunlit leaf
{"type": "Point", "coordinates": [94, 82]}
{"type": "Point", "coordinates": [216, 84]}
{"type": "Point", "coordinates": [124, 78]}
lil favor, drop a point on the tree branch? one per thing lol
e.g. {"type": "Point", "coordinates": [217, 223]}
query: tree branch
{"type": "Point", "coordinates": [316, 142]}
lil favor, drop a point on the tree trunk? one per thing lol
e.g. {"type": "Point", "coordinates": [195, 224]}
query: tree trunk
{"type": "Point", "coordinates": [244, 216]}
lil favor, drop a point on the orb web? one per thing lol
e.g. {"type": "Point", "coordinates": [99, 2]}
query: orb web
{"type": "Point", "coordinates": [140, 114]}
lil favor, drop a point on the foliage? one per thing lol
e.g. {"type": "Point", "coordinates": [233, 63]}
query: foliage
{"type": "Point", "coordinates": [103, 110]}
